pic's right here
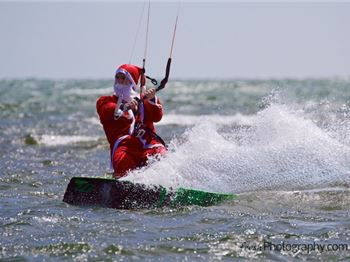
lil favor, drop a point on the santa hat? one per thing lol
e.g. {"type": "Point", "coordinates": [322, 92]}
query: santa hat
{"type": "Point", "coordinates": [132, 72]}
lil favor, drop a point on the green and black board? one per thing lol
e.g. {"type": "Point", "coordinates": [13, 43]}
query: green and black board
{"type": "Point", "coordinates": [91, 191]}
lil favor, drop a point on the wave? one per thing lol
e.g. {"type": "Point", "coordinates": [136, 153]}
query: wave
{"type": "Point", "coordinates": [190, 120]}
{"type": "Point", "coordinates": [88, 91]}
{"type": "Point", "coordinates": [57, 140]}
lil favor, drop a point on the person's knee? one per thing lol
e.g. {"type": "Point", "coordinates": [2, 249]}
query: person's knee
{"type": "Point", "coordinates": [154, 153]}
{"type": "Point", "coordinates": [162, 150]}
{"type": "Point", "coordinates": [158, 151]}
{"type": "Point", "coordinates": [122, 164]}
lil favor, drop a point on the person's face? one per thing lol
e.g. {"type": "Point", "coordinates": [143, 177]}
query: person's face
{"type": "Point", "coordinates": [120, 78]}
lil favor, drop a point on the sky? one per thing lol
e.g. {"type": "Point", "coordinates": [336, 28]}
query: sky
{"type": "Point", "coordinates": [225, 40]}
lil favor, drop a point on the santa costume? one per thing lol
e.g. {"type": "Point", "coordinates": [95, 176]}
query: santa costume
{"type": "Point", "coordinates": [131, 135]}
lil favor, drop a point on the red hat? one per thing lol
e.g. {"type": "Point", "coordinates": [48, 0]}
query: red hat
{"type": "Point", "coordinates": [133, 70]}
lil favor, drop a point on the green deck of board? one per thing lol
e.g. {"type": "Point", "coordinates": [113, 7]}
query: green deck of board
{"type": "Point", "coordinates": [91, 191]}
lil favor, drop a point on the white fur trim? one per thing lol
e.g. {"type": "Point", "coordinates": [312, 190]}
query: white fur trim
{"type": "Point", "coordinates": [132, 125]}
{"type": "Point", "coordinates": [116, 144]}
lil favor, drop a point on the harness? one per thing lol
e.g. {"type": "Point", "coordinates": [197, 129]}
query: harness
{"type": "Point", "coordinates": [140, 129]}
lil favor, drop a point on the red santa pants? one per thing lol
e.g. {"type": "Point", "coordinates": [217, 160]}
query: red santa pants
{"type": "Point", "coordinates": [127, 158]}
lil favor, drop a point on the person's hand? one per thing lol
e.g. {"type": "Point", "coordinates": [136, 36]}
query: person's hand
{"type": "Point", "coordinates": [150, 93]}
{"type": "Point", "coordinates": [133, 105]}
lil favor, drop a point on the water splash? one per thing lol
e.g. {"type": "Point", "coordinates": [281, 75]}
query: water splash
{"type": "Point", "coordinates": [282, 149]}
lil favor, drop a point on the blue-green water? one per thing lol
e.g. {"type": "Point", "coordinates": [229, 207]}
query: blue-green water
{"type": "Point", "coordinates": [282, 145]}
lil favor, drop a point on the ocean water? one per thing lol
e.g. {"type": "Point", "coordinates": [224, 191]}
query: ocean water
{"type": "Point", "coordinates": [281, 145]}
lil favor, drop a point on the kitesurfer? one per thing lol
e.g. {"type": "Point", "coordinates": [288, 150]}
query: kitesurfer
{"type": "Point", "coordinates": [128, 119]}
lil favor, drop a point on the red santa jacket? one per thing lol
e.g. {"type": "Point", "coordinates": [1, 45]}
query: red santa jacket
{"type": "Point", "coordinates": [118, 129]}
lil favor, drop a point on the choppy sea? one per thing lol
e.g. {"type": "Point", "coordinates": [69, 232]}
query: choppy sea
{"type": "Point", "coordinates": [283, 146]}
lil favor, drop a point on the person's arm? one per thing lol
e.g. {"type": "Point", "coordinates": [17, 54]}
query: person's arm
{"type": "Point", "coordinates": [152, 106]}
{"type": "Point", "coordinates": [106, 109]}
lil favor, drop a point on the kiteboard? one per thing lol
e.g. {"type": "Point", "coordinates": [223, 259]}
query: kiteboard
{"type": "Point", "coordinates": [112, 193]}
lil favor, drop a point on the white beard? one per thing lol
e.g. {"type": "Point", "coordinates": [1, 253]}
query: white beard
{"type": "Point", "coordinates": [125, 92]}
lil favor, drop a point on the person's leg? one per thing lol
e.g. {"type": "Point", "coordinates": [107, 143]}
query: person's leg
{"type": "Point", "coordinates": [156, 151]}
{"type": "Point", "coordinates": [123, 162]}
{"type": "Point", "coordinates": [161, 151]}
